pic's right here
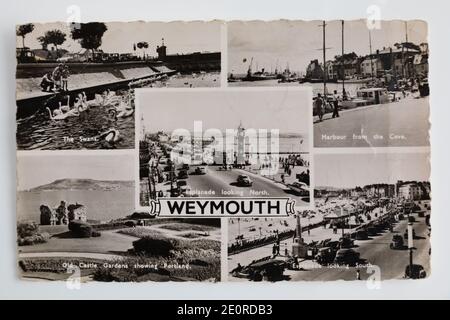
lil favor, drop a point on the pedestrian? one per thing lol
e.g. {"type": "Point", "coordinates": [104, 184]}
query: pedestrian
{"type": "Point", "coordinates": [335, 105]}
{"type": "Point", "coordinates": [56, 76]}
{"type": "Point", "coordinates": [358, 274]}
{"type": "Point", "coordinates": [318, 106]}
{"type": "Point", "coordinates": [65, 77]}
{"type": "Point", "coordinates": [47, 82]}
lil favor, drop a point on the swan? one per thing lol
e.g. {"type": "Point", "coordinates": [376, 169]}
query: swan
{"type": "Point", "coordinates": [112, 135]}
{"type": "Point", "coordinates": [123, 110]}
{"type": "Point", "coordinates": [83, 107]}
{"type": "Point", "coordinates": [123, 113]}
{"type": "Point", "coordinates": [65, 108]}
{"type": "Point", "coordinates": [81, 104]}
{"type": "Point", "coordinates": [57, 112]}
{"type": "Point", "coordinates": [57, 116]}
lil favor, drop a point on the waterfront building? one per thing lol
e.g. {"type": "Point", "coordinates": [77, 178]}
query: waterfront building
{"type": "Point", "coordinates": [410, 191]}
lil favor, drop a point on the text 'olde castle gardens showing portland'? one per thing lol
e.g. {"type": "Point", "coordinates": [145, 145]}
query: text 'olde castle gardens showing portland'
{"type": "Point", "coordinates": [75, 83]}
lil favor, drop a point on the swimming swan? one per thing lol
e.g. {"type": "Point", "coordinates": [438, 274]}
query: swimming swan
{"type": "Point", "coordinates": [112, 135]}
{"type": "Point", "coordinates": [62, 116]}
{"type": "Point", "coordinates": [65, 108]}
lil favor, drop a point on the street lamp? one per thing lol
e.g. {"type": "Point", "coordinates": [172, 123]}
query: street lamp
{"type": "Point", "coordinates": [410, 246]}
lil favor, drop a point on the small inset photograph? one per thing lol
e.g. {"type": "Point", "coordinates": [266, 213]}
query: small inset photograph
{"type": "Point", "coordinates": [75, 82]}
{"type": "Point", "coordinates": [224, 143]}
{"type": "Point", "coordinates": [371, 221]}
{"type": "Point", "coordinates": [76, 218]}
{"type": "Point", "coordinates": [370, 82]}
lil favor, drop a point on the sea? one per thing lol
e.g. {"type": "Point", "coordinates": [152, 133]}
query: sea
{"type": "Point", "coordinates": [100, 205]}
{"type": "Point", "coordinates": [350, 88]}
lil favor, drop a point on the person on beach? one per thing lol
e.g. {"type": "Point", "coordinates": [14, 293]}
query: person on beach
{"type": "Point", "coordinates": [318, 106]}
{"type": "Point", "coordinates": [335, 105]}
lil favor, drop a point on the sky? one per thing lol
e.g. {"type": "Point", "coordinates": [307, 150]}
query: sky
{"type": "Point", "coordinates": [299, 42]}
{"type": "Point", "coordinates": [286, 110]}
{"type": "Point", "coordinates": [179, 37]}
{"type": "Point", "coordinates": [351, 170]}
{"type": "Point", "coordinates": [51, 168]}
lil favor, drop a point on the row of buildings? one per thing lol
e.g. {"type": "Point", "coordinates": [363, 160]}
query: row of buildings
{"type": "Point", "coordinates": [403, 60]}
{"type": "Point", "coordinates": [406, 190]}
{"type": "Point", "coordinates": [409, 190]}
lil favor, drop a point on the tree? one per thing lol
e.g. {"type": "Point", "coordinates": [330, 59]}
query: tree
{"type": "Point", "coordinates": [55, 37]}
{"type": "Point", "coordinates": [89, 35]}
{"type": "Point", "coordinates": [142, 45]}
{"type": "Point", "coordinates": [23, 30]}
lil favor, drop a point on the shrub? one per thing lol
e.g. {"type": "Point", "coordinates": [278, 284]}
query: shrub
{"type": "Point", "coordinates": [27, 228]}
{"type": "Point", "coordinates": [130, 223]}
{"type": "Point", "coordinates": [186, 227]}
{"type": "Point", "coordinates": [155, 246]}
{"type": "Point", "coordinates": [141, 215]}
{"type": "Point", "coordinates": [140, 232]}
{"type": "Point", "coordinates": [80, 229]}
{"type": "Point", "coordinates": [34, 239]}
{"type": "Point", "coordinates": [96, 233]}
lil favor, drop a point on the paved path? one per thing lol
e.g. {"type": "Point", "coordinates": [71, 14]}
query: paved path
{"type": "Point", "coordinates": [222, 183]}
{"type": "Point", "coordinates": [403, 123]}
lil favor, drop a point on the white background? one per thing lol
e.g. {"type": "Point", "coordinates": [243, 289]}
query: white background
{"type": "Point", "coordinates": [433, 11]}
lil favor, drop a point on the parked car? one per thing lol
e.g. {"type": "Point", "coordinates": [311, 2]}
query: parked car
{"type": "Point", "coordinates": [200, 170]}
{"type": "Point", "coordinates": [372, 231]}
{"type": "Point", "coordinates": [347, 257]}
{"type": "Point", "coordinates": [396, 242]}
{"type": "Point", "coordinates": [346, 242]}
{"type": "Point", "coordinates": [271, 269]}
{"type": "Point", "coordinates": [185, 166]}
{"type": "Point", "coordinates": [415, 271]}
{"type": "Point", "coordinates": [244, 180]}
{"type": "Point", "coordinates": [300, 188]}
{"type": "Point", "coordinates": [182, 174]}
{"type": "Point", "coordinates": [183, 187]}
{"type": "Point", "coordinates": [325, 256]}
{"type": "Point", "coordinates": [361, 235]}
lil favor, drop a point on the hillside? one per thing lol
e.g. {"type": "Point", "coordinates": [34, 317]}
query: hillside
{"type": "Point", "coordinates": [84, 184]}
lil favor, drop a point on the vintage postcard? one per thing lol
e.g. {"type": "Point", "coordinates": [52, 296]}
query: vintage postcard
{"type": "Point", "coordinates": [223, 151]}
